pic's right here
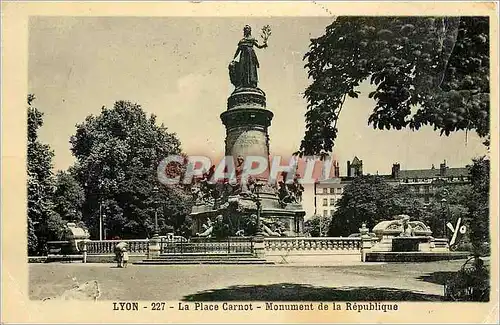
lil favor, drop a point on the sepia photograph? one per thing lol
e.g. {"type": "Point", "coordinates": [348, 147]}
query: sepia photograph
{"type": "Point", "coordinates": [259, 163]}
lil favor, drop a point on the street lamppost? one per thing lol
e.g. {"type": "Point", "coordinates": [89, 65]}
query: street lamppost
{"type": "Point", "coordinates": [100, 219]}
{"type": "Point", "coordinates": [155, 192]}
{"type": "Point", "coordinates": [321, 226]}
{"type": "Point", "coordinates": [443, 203]}
{"type": "Point", "coordinates": [99, 193]}
{"type": "Point", "coordinates": [104, 224]}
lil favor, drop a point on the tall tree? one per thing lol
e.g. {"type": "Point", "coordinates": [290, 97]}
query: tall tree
{"type": "Point", "coordinates": [118, 153]}
{"type": "Point", "coordinates": [427, 70]}
{"type": "Point", "coordinates": [479, 212]}
{"type": "Point", "coordinates": [43, 223]}
{"type": "Point", "coordinates": [68, 197]}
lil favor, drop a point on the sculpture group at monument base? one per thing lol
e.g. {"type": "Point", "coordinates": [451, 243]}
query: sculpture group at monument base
{"type": "Point", "coordinates": [276, 221]}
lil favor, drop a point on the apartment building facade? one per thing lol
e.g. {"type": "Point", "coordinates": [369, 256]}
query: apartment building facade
{"type": "Point", "coordinates": [423, 183]}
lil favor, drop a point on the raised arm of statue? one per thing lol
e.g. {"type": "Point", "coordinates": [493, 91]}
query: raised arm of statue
{"type": "Point", "coordinates": [263, 46]}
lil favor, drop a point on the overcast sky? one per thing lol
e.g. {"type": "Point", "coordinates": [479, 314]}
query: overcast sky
{"type": "Point", "coordinates": [176, 68]}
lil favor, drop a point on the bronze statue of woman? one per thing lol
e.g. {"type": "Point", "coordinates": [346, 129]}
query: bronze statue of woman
{"type": "Point", "coordinates": [244, 72]}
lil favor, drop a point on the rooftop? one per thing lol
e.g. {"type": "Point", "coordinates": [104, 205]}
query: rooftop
{"type": "Point", "coordinates": [432, 173]}
{"type": "Point", "coordinates": [410, 173]}
{"type": "Point", "coordinates": [356, 161]}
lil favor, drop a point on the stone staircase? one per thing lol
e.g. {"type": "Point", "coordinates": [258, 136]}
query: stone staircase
{"type": "Point", "coordinates": [200, 258]}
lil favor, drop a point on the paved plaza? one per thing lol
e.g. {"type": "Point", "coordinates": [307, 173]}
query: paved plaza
{"type": "Point", "coordinates": [398, 281]}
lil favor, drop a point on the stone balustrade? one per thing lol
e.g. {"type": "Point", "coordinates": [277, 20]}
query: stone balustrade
{"type": "Point", "coordinates": [270, 244]}
{"type": "Point", "coordinates": [278, 245]}
{"type": "Point", "coordinates": [313, 244]}
{"type": "Point", "coordinates": [108, 246]}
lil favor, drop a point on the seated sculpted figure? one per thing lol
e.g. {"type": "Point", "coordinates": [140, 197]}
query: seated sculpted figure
{"type": "Point", "coordinates": [407, 228]}
{"type": "Point", "coordinates": [208, 228]}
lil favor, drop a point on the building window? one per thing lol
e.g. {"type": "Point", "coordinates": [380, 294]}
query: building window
{"type": "Point", "coordinates": [325, 213]}
{"type": "Point", "coordinates": [325, 202]}
{"type": "Point", "coordinates": [406, 180]}
{"type": "Point", "coordinates": [332, 190]}
{"type": "Point", "coordinates": [332, 201]}
{"type": "Point", "coordinates": [325, 191]}
{"type": "Point", "coordinates": [339, 190]}
{"type": "Point", "coordinates": [332, 212]}
{"type": "Point", "coordinates": [426, 189]}
{"type": "Point", "coordinates": [426, 199]}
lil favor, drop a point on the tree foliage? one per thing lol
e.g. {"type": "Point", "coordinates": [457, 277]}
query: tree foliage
{"type": "Point", "coordinates": [367, 199]}
{"type": "Point", "coordinates": [427, 71]}
{"type": "Point", "coordinates": [370, 199]}
{"type": "Point", "coordinates": [43, 222]}
{"type": "Point", "coordinates": [317, 225]}
{"type": "Point", "coordinates": [436, 213]}
{"type": "Point", "coordinates": [118, 153]}
{"type": "Point", "coordinates": [68, 197]}
{"type": "Point", "coordinates": [478, 208]}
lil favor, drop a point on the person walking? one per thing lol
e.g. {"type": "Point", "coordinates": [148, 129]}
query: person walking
{"type": "Point", "coordinates": [125, 257]}
{"type": "Point", "coordinates": [120, 248]}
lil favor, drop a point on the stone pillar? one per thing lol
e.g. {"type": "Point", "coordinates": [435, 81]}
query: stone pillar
{"type": "Point", "coordinates": [154, 247]}
{"type": "Point", "coordinates": [84, 250]}
{"type": "Point", "coordinates": [366, 241]}
{"type": "Point", "coordinates": [259, 247]}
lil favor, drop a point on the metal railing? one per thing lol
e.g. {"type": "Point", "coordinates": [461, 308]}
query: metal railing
{"type": "Point", "coordinates": [231, 245]}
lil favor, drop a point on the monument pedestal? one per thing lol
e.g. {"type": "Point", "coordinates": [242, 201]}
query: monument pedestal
{"type": "Point", "coordinates": [247, 121]}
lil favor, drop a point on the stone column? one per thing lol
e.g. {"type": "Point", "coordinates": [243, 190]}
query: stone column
{"type": "Point", "coordinates": [366, 241]}
{"type": "Point", "coordinates": [247, 120]}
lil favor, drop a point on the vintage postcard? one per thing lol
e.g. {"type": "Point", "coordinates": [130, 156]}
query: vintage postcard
{"type": "Point", "coordinates": [249, 162]}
